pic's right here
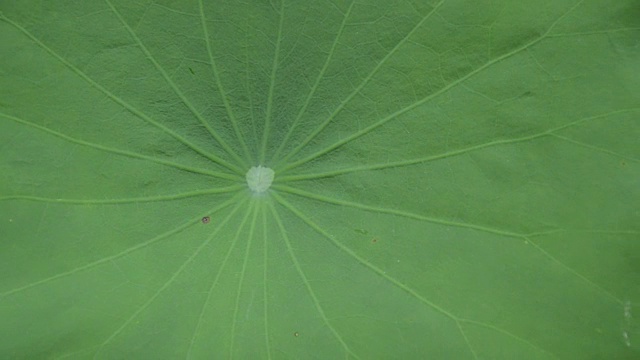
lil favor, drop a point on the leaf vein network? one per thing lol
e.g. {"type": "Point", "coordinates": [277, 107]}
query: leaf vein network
{"type": "Point", "coordinates": [274, 69]}
{"type": "Point", "coordinates": [123, 103]}
{"type": "Point", "coordinates": [157, 198]}
{"type": "Point", "coordinates": [221, 89]}
{"type": "Point", "coordinates": [175, 88]}
{"type": "Point", "coordinates": [253, 208]}
{"type": "Point", "coordinates": [362, 84]}
{"type": "Point", "coordinates": [122, 253]}
{"type": "Point", "coordinates": [315, 85]}
{"type": "Point", "coordinates": [214, 282]}
{"type": "Point", "coordinates": [306, 282]}
{"type": "Point", "coordinates": [329, 200]}
{"type": "Point", "coordinates": [167, 283]}
{"type": "Point", "coordinates": [456, 319]}
{"type": "Point", "coordinates": [217, 174]}
{"type": "Point", "coordinates": [280, 168]}
{"type": "Point", "coordinates": [326, 199]}
{"type": "Point", "coordinates": [394, 164]}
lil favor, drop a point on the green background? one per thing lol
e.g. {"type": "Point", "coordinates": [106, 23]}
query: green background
{"type": "Point", "coordinates": [454, 179]}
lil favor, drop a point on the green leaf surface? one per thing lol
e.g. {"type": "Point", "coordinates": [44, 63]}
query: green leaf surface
{"type": "Point", "coordinates": [454, 179]}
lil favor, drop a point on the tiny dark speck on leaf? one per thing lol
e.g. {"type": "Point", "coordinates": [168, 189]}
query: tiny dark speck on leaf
{"type": "Point", "coordinates": [206, 219]}
{"type": "Point", "coordinates": [374, 240]}
{"type": "Point", "coordinates": [192, 72]}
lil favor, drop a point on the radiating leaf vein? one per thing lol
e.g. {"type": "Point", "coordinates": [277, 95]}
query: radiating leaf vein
{"type": "Point", "coordinates": [214, 283]}
{"type": "Point", "coordinates": [118, 255]}
{"type": "Point", "coordinates": [123, 103]}
{"type": "Point", "coordinates": [307, 284]}
{"type": "Point", "coordinates": [412, 106]}
{"type": "Point", "coordinates": [175, 88]}
{"type": "Point", "coordinates": [362, 84]}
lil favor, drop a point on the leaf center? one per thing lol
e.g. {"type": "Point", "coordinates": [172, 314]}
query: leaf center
{"type": "Point", "coordinates": [259, 178]}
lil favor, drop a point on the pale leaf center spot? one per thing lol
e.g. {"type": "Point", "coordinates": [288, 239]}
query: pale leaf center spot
{"type": "Point", "coordinates": [259, 178]}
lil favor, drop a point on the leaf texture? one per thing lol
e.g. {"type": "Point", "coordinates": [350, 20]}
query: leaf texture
{"type": "Point", "coordinates": [454, 179]}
